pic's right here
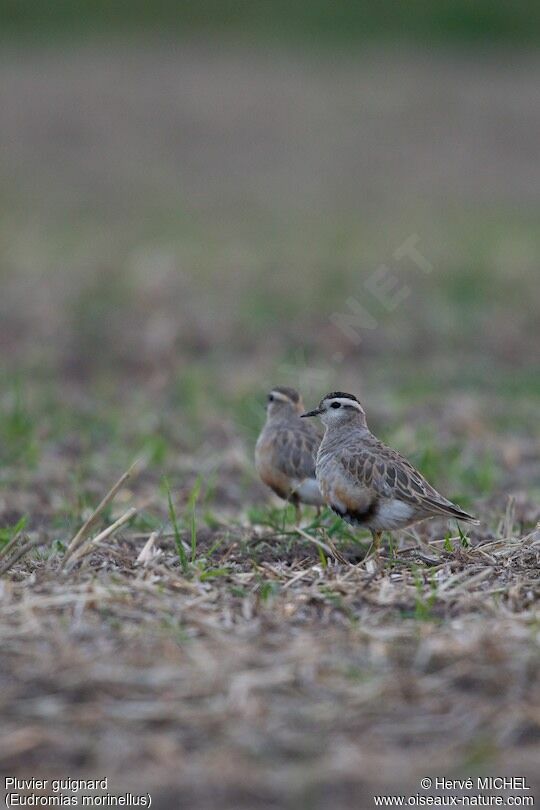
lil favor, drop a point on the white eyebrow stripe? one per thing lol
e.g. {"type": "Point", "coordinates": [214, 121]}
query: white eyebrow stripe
{"type": "Point", "coordinates": [280, 396]}
{"type": "Point", "coordinates": [345, 401]}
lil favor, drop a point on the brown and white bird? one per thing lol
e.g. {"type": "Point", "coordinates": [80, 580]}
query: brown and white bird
{"type": "Point", "coordinates": [367, 483]}
{"type": "Point", "coordinates": [286, 450]}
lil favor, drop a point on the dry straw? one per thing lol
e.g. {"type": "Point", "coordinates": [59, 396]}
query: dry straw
{"type": "Point", "coordinates": [81, 544]}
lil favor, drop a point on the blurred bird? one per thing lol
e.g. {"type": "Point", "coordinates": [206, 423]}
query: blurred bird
{"type": "Point", "coordinates": [286, 450]}
{"type": "Point", "coordinates": [367, 483]}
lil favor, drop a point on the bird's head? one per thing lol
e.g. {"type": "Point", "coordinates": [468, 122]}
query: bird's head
{"type": "Point", "coordinates": [338, 409]}
{"type": "Point", "coordinates": [282, 401]}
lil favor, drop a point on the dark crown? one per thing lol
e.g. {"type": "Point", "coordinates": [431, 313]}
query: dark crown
{"type": "Point", "coordinates": [341, 395]}
{"type": "Point", "coordinates": [290, 393]}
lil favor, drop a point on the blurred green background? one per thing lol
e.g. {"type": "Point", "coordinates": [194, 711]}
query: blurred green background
{"type": "Point", "coordinates": [192, 195]}
{"type": "Point", "coordinates": [323, 20]}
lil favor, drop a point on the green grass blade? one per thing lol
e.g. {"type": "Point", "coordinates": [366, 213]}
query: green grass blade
{"type": "Point", "coordinates": [192, 503]}
{"type": "Point", "coordinates": [180, 550]}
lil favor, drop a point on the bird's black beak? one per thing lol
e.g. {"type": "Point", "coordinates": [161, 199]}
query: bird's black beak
{"type": "Point", "coordinates": [314, 412]}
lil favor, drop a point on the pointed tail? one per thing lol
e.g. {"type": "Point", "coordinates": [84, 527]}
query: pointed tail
{"type": "Point", "coordinates": [451, 510]}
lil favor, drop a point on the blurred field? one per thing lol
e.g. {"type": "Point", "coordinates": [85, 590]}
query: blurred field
{"type": "Point", "coordinates": [317, 22]}
{"type": "Point", "coordinates": [179, 223]}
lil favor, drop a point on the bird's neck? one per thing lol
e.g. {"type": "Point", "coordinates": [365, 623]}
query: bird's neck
{"type": "Point", "coordinates": [340, 434]}
{"type": "Point", "coordinates": [282, 418]}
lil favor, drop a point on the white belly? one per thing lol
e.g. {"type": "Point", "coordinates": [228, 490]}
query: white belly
{"type": "Point", "coordinates": [392, 514]}
{"type": "Point", "coordinates": [308, 491]}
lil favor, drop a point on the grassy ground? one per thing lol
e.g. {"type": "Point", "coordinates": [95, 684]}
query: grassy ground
{"type": "Point", "coordinates": [180, 228]}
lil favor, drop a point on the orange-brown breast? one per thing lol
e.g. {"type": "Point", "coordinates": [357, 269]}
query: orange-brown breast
{"type": "Point", "coordinates": [353, 499]}
{"type": "Point", "coordinates": [269, 473]}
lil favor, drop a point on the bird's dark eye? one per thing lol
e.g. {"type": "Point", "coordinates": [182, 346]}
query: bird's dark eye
{"type": "Point", "coordinates": [270, 397]}
{"type": "Point", "coordinates": [335, 405]}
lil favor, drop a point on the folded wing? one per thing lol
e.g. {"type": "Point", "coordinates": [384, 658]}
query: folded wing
{"type": "Point", "coordinates": [390, 475]}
